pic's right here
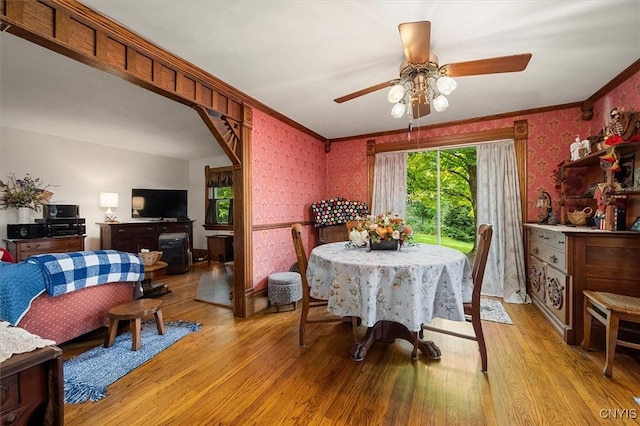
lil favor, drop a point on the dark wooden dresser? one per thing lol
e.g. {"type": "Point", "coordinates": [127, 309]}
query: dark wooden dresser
{"type": "Point", "coordinates": [31, 388]}
{"type": "Point", "coordinates": [134, 236]}
{"type": "Point", "coordinates": [21, 249]}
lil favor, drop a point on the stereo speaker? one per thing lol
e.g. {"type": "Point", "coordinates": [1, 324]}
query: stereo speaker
{"type": "Point", "coordinates": [26, 230]}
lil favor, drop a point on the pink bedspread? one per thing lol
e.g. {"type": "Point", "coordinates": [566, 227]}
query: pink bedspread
{"type": "Point", "coordinates": [70, 315]}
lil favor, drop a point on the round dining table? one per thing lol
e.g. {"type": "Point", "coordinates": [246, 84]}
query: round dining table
{"type": "Point", "coordinates": [394, 292]}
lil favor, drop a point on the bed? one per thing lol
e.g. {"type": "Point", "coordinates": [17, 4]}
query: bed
{"type": "Point", "coordinates": [63, 296]}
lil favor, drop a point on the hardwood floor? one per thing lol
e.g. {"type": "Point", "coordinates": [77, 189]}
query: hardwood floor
{"type": "Point", "coordinates": [252, 372]}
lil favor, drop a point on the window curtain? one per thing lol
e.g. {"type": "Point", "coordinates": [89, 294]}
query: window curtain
{"type": "Point", "coordinates": [499, 206]}
{"type": "Point", "coordinates": [390, 184]}
{"type": "Point", "coordinates": [220, 178]}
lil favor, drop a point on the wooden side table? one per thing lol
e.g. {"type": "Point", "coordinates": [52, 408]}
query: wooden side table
{"type": "Point", "coordinates": [151, 288]}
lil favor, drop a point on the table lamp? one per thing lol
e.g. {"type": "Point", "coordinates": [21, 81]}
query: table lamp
{"type": "Point", "coordinates": [109, 200]}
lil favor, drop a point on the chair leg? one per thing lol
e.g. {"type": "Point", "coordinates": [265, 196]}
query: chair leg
{"type": "Point", "coordinates": [414, 352]}
{"type": "Point", "coordinates": [354, 328]}
{"type": "Point", "coordinates": [303, 320]}
{"type": "Point", "coordinates": [477, 328]}
{"type": "Point", "coordinates": [586, 337]}
{"type": "Point", "coordinates": [277, 307]}
{"type": "Point", "coordinates": [613, 322]}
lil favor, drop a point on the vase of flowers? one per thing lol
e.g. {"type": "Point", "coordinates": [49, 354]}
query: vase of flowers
{"type": "Point", "coordinates": [382, 232]}
{"type": "Point", "coordinates": [25, 195]}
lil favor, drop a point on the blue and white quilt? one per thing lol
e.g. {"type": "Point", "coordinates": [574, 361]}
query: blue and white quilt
{"type": "Point", "coordinates": [21, 283]}
{"type": "Point", "coordinates": [66, 272]}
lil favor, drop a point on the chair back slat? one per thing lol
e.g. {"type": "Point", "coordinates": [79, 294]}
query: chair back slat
{"type": "Point", "coordinates": [301, 256]}
{"type": "Point", "coordinates": [485, 233]}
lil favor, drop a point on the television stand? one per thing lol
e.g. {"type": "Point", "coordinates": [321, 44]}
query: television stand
{"type": "Point", "coordinates": [132, 237]}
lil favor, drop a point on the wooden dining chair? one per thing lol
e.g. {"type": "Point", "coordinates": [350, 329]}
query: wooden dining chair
{"type": "Point", "coordinates": [309, 302]}
{"type": "Point", "coordinates": [472, 310]}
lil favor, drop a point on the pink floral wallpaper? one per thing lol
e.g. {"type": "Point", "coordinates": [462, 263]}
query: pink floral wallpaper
{"type": "Point", "coordinates": [288, 175]}
{"type": "Point", "coordinates": [291, 170]}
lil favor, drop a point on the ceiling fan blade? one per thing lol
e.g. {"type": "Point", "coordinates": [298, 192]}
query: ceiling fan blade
{"type": "Point", "coordinates": [365, 91]}
{"type": "Point", "coordinates": [513, 63]}
{"type": "Point", "coordinates": [420, 107]}
{"type": "Point", "coordinates": [416, 40]}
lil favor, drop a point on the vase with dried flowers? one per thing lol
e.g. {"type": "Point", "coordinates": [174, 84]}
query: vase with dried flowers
{"type": "Point", "coordinates": [383, 232]}
{"type": "Point", "coordinates": [24, 194]}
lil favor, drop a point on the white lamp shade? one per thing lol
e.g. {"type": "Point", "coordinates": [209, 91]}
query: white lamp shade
{"type": "Point", "coordinates": [396, 93]}
{"type": "Point", "coordinates": [398, 110]}
{"type": "Point", "coordinates": [446, 85]}
{"type": "Point", "coordinates": [109, 199]}
{"type": "Point", "coordinates": [440, 103]}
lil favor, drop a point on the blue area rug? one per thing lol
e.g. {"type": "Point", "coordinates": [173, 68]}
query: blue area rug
{"type": "Point", "coordinates": [87, 376]}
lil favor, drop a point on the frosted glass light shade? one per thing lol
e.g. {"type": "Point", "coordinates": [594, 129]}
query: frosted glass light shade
{"type": "Point", "coordinates": [446, 85]}
{"type": "Point", "coordinates": [108, 199]}
{"type": "Point", "coordinates": [440, 103]}
{"type": "Point", "coordinates": [398, 110]}
{"type": "Point", "coordinates": [396, 93]}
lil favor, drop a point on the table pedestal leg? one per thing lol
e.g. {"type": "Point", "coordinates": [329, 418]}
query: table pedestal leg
{"type": "Point", "coordinates": [388, 331]}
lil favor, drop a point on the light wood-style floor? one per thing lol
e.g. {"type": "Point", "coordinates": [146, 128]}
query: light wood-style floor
{"type": "Point", "coordinates": [252, 372]}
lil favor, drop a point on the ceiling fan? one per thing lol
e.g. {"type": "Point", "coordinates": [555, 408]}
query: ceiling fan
{"type": "Point", "coordinates": [423, 82]}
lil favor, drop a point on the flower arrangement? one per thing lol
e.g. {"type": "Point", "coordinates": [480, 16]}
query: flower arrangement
{"type": "Point", "coordinates": [27, 192]}
{"type": "Point", "coordinates": [380, 228]}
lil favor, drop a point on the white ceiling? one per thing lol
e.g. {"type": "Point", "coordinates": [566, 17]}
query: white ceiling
{"type": "Point", "coordinates": [297, 56]}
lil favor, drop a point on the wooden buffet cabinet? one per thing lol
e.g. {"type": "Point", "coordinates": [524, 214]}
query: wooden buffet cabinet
{"type": "Point", "coordinates": [562, 261]}
{"type": "Point", "coordinates": [134, 236]}
{"type": "Point", "coordinates": [21, 249]}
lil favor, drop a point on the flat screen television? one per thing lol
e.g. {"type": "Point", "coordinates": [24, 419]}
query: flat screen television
{"type": "Point", "coordinates": [159, 203]}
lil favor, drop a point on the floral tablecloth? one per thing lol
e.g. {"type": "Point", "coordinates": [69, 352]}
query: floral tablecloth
{"type": "Point", "coordinates": [411, 286]}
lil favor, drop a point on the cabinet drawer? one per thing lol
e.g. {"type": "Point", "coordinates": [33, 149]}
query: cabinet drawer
{"type": "Point", "coordinates": [133, 230]}
{"type": "Point", "coordinates": [9, 392]}
{"type": "Point", "coordinates": [548, 254]}
{"type": "Point", "coordinates": [552, 239]}
{"type": "Point", "coordinates": [536, 278]}
{"type": "Point", "coordinates": [557, 284]}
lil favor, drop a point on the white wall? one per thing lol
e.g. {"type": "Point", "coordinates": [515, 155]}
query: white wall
{"type": "Point", "coordinates": [82, 170]}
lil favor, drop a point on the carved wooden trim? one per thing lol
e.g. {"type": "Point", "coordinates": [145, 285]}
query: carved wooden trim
{"type": "Point", "coordinates": [520, 136]}
{"type": "Point", "coordinates": [219, 128]}
{"type": "Point", "coordinates": [243, 220]}
{"type": "Point", "coordinates": [74, 30]}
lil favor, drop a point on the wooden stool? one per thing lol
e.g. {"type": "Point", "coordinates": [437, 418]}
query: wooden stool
{"type": "Point", "coordinates": [134, 311]}
{"type": "Point", "coordinates": [609, 309]}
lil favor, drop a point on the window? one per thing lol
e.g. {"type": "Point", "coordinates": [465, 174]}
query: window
{"type": "Point", "coordinates": [218, 197]}
{"type": "Point", "coordinates": [441, 203]}
{"type": "Point", "coordinates": [221, 206]}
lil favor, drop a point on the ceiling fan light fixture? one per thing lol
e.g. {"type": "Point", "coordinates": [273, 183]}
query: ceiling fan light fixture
{"type": "Point", "coordinates": [446, 85]}
{"type": "Point", "coordinates": [396, 93]}
{"type": "Point", "coordinates": [440, 103]}
{"type": "Point", "coordinates": [399, 109]}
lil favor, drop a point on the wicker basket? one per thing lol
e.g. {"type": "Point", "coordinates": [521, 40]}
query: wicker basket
{"type": "Point", "coordinates": [579, 217]}
{"type": "Point", "coordinates": [150, 258]}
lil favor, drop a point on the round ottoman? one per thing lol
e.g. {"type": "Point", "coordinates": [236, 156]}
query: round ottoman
{"type": "Point", "coordinates": [284, 288]}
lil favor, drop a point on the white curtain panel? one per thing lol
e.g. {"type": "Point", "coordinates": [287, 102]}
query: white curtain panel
{"type": "Point", "coordinates": [390, 184]}
{"type": "Point", "coordinates": [499, 206]}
